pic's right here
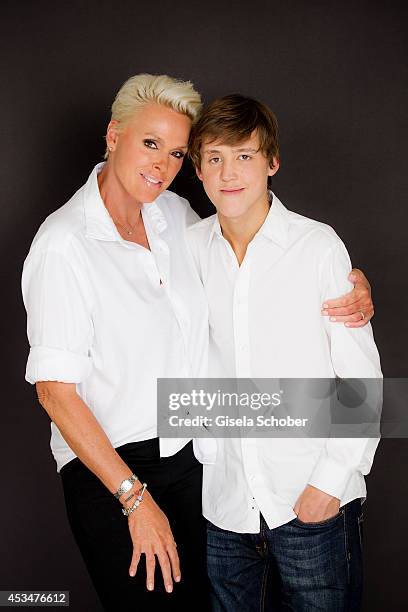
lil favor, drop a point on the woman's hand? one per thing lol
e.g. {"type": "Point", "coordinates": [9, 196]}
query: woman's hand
{"type": "Point", "coordinates": [149, 528]}
{"type": "Point", "coordinates": [354, 309]}
{"type": "Point", "coordinates": [151, 534]}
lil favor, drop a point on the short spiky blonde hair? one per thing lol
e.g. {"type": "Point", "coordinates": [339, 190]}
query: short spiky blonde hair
{"type": "Point", "coordinates": [141, 89]}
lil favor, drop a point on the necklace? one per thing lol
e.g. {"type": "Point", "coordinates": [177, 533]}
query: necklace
{"type": "Point", "coordinates": [128, 231]}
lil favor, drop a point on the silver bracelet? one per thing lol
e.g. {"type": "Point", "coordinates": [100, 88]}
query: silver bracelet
{"type": "Point", "coordinates": [131, 496]}
{"type": "Point", "coordinates": [139, 499]}
{"type": "Point", "coordinates": [126, 485]}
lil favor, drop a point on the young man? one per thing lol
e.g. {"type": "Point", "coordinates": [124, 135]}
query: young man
{"type": "Point", "coordinates": [284, 514]}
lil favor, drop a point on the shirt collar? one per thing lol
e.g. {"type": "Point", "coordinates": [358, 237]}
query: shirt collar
{"type": "Point", "coordinates": [275, 227]}
{"type": "Point", "coordinates": [98, 222]}
{"type": "Point", "coordinates": [215, 230]}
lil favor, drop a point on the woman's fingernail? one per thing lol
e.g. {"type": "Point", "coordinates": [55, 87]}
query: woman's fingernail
{"type": "Point", "coordinates": [169, 588]}
{"type": "Point", "coordinates": [177, 579]}
{"type": "Point", "coordinates": [150, 587]}
{"type": "Point", "coordinates": [325, 305]}
{"type": "Point", "coordinates": [325, 312]}
{"type": "Point", "coordinates": [333, 319]}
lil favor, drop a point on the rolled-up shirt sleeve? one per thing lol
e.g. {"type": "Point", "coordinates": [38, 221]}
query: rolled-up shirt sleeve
{"type": "Point", "coordinates": [59, 324]}
{"type": "Point", "coordinates": [354, 355]}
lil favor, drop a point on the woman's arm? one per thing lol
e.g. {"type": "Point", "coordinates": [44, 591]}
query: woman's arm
{"type": "Point", "coordinates": [350, 308]}
{"type": "Point", "coordinates": [149, 528]}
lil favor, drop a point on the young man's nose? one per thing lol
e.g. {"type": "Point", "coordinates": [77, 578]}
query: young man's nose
{"type": "Point", "coordinates": [228, 171]}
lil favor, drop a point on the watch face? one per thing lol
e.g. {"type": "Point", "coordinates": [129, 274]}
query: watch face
{"type": "Point", "coordinates": [126, 486]}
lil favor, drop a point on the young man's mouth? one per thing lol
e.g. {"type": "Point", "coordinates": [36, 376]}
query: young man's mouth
{"type": "Point", "coordinates": [234, 191]}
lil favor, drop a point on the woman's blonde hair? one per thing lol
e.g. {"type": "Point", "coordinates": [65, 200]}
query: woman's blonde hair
{"type": "Point", "coordinates": [142, 89]}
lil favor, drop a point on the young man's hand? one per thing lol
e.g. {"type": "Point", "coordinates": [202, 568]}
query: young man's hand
{"type": "Point", "coordinates": [314, 505]}
{"type": "Point", "coordinates": [354, 309]}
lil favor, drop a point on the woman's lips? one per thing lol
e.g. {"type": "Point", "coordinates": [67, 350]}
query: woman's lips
{"type": "Point", "coordinates": [152, 181]}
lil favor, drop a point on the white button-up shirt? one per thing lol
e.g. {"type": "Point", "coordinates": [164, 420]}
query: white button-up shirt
{"type": "Point", "coordinates": [257, 330]}
{"type": "Point", "coordinates": [112, 316]}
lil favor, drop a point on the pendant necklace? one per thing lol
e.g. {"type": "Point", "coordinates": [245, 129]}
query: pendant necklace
{"type": "Point", "coordinates": [129, 232]}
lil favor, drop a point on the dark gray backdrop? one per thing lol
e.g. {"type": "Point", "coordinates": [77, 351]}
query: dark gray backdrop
{"type": "Point", "coordinates": [335, 73]}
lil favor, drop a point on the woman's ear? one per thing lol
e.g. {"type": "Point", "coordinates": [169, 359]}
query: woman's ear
{"type": "Point", "coordinates": [112, 135]}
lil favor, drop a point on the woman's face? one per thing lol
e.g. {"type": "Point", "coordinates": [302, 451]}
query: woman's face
{"type": "Point", "coordinates": [147, 154]}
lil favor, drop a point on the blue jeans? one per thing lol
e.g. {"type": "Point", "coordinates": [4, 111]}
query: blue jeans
{"type": "Point", "coordinates": [298, 566]}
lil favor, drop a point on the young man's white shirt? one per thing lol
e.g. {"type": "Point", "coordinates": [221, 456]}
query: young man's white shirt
{"type": "Point", "coordinates": [256, 331]}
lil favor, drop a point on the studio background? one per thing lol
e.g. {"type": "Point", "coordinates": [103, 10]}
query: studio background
{"type": "Point", "coordinates": [335, 73]}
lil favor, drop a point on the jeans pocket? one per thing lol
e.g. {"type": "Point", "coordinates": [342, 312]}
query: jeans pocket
{"type": "Point", "coordinates": [326, 523]}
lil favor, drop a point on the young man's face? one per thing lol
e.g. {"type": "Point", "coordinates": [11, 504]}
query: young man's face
{"type": "Point", "coordinates": [235, 176]}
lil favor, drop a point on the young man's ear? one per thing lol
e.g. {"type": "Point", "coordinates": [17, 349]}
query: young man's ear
{"type": "Point", "coordinates": [273, 166]}
{"type": "Point", "coordinates": [112, 135]}
{"type": "Point", "coordinates": [198, 173]}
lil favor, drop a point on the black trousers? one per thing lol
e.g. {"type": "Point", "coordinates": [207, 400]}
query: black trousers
{"type": "Point", "coordinates": [102, 534]}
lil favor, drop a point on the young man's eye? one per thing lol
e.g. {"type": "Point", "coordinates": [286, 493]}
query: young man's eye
{"type": "Point", "coordinates": [178, 154]}
{"type": "Point", "coordinates": [214, 160]}
{"type": "Point", "coordinates": [244, 157]}
{"type": "Point", "coordinates": [151, 144]}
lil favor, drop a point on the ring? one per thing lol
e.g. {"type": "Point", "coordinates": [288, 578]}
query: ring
{"type": "Point", "coordinates": [362, 315]}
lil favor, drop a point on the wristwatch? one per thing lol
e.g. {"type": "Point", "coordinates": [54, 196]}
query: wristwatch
{"type": "Point", "coordinates": [126, 485]}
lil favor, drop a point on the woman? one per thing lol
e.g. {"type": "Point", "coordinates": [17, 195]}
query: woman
{"type": "Point", "coordinates": [113, 303]}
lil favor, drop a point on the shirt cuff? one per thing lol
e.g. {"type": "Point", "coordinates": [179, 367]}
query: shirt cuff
{"type": "Point", "coordinates": [55, 364]}
{"type": "Point", "coordinates": [330, 476]}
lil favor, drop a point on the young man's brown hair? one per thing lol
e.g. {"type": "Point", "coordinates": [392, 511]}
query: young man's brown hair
{"type": "Point", "coordinates": [232, 119]}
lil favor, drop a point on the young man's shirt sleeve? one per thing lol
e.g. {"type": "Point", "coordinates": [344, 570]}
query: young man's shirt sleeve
{"type": "Point", "coordinates": [354, 355]}
{"type": "Point", "coordinates": [59, 325]}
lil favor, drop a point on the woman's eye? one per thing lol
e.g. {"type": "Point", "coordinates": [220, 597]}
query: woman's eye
{"type": "Point", "coordinates": [150, 144]}
{"type": "Point", "coordinates": [178, 154]}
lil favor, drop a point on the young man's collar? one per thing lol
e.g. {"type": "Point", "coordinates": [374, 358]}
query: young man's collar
{"type": "Point", "coordinates": [275, 227]}
{"type": "Point", "coordinates": [215, 230]}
